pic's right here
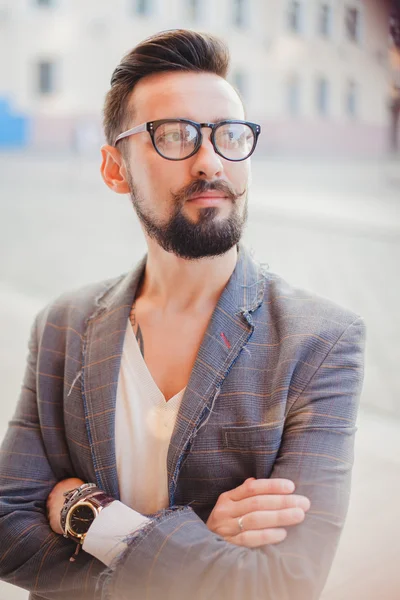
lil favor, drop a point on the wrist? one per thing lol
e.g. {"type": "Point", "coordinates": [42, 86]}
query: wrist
{"type": "Point", "coordinates": [81, 507]}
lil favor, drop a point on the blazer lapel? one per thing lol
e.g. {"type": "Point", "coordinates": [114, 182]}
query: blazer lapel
{"type": "Point", "coordinates": [102, 359]}
{"type": "Point", "coordinates": [229, 330]}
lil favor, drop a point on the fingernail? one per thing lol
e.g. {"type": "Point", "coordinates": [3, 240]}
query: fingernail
{"type": "Point", "coordinates": [289, 486]}
{"type": "Point", "coordinates": [303, 503]}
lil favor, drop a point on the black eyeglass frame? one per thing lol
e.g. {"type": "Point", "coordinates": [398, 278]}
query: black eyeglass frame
{"type": "Point", "coordinates": [151, 127]}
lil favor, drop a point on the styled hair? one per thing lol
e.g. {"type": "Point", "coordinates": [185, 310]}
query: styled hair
{"type": "Point", "coordinates": [172, 50]}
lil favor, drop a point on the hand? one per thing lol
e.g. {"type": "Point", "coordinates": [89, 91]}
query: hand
{"type": "Point", "coordinates": [56, 499]}
{"type": "Point", "coordinates": [267, 506]}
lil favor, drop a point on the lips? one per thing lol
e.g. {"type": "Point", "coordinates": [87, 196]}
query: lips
{"type": "Point", "coordinates": [208, 196]}
{"type": "Point", "coordinates": [207, 200]}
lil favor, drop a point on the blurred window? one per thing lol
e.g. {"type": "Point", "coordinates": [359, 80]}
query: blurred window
{"type": "Point", "coordinates": [353, 24]}
{"type": "Point", "coordinates": [240, 12]}
{"type": "Point", "coordinates": [46, 77]}
{"type": "Point", "coordinates": [45, 2]}
{"type": "Point", "coordinates": [325, 19]}
{"type": "Point", "coordinates": [239, 81]}
{"type": "Point", "coordinates": [322, 96]}
{"type": "Point", "coordinates": [193, 9]}
{"type": "Point", "coordinates": [294, 16]}
{"type": "Point", "coordinates": [143, 7]}
{"type": "Point", "coordinates": [351, 99]}
{"type": "Point", "coordinates": [293, 95]}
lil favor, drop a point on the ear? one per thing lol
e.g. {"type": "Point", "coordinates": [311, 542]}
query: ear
{"type": "Point", "coordinates": [113, 170]}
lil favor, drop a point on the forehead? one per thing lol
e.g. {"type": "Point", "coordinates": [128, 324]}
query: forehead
{"type": "Point", "coordinates": [202, 97]}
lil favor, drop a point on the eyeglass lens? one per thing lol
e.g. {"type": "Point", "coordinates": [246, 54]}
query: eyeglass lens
{"type": "Point", "coordinates": [177, 140]}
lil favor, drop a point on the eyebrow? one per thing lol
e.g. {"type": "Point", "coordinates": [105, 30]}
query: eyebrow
{"type": "Point", "coordinates": [218, 119]}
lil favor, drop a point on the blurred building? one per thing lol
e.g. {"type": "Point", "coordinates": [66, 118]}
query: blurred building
{"type": "Point", "coordinates": [314, 73]}
{"type": "Point", "coordinates": [394, 103]}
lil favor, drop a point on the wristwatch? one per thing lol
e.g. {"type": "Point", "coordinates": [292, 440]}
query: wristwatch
{"type": "Point", "coordinates": [81, 506]}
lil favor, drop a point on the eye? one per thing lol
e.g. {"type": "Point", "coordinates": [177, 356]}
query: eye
{"type": "Point", "coordinates": [175, 136]}
{"type": "Point", "coordinates": [169, 136]}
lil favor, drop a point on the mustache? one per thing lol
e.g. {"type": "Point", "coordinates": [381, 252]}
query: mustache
{"type": "Point", "coordinates": [200, 186]}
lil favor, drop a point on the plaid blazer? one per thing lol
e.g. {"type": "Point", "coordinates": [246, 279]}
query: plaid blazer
{"type": "Point", "coordinates": [273, 393]}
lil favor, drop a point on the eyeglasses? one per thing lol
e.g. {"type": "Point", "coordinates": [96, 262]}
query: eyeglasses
{"type": "Point", "coordinates": [178, 139]}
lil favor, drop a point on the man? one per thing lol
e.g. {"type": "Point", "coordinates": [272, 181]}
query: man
{"type": "Point", "coordinates": [178, 407]}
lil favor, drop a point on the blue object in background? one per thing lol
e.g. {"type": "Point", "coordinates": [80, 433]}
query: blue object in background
{"type": "Point", "coordinates": [13, 127]}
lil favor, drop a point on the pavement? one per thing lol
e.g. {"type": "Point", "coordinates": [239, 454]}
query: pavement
{"type": "Point", "coordinates": [326, 225]}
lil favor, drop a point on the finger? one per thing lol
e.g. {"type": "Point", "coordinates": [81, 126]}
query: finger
{"type": "Point", "coordinates": [254, 487]}
{"type": "Point", "coordinates": [270, 518]}
{"type": "Point", "coordinates": [255, 539]}
{"type": "Point", "coordinates": [269, 502]}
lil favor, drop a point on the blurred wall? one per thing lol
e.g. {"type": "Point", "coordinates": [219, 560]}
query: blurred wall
{"type": "Point", "coordinates": [318, 82]}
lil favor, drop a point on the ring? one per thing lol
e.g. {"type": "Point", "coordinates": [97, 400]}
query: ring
{"type": "Point", "coordinates": [240, 523]}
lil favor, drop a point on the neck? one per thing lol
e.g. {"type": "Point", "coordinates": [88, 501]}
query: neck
{"type": "Point", "coordinates": [175, 284]}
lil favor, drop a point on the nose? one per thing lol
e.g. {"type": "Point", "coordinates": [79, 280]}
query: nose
{"type": "Point", "coordinates": [207, 164]}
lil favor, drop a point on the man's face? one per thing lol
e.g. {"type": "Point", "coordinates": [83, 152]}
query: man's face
{"type": "Point", "coordinates": [162, 189]}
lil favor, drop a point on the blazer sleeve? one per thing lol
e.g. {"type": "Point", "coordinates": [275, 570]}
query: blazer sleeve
{"type": "Point", "coordinates": [176, 556]}
{"type": "Point", "coordinates": [32, 556]}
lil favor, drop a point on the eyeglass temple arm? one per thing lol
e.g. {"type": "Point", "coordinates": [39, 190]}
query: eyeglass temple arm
{"type": "Point", "coordinates": [137, 129]}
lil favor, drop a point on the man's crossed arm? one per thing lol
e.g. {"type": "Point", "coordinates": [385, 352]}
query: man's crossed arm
{"type": "Point", "coordinates": [176, 555]}
{"type": "Point", "coordinates": [265, 507]}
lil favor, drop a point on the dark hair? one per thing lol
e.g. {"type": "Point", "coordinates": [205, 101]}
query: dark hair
{"type": "Point", "coordinates": [173, 50]}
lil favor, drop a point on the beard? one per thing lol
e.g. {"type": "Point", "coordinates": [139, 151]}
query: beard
{"type": "Point", "coordinates": [207, 237]}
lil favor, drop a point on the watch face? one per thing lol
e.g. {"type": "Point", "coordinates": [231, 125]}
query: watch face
{"type": "Point", "coordinates": [81, 519]}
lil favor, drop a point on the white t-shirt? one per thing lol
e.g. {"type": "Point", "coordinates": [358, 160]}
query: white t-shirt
{"type": "Point", "coordinates": [144, 422]}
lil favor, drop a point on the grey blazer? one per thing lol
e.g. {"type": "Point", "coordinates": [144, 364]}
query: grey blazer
{"type": "Point", "coordinates": [273, 393]}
